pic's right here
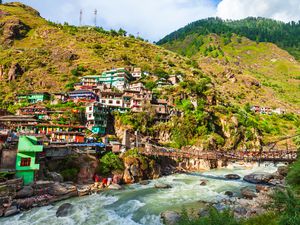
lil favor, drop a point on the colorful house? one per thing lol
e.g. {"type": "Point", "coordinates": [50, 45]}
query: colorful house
{"type": "Point", "coordinates": [91, 80]}
{"type": "Point", "coordinates": [97, 117]}
{"type": "Point", "coordinates": [38, 112]}
{"type": "Point", "coordinates": [83, 96]}
{"type": "Point", "coordinates": [34, 97]}
{"type": "Point", "coordinates": [26, 158]}
{"type": "Point", "coordinates": [118, 78]}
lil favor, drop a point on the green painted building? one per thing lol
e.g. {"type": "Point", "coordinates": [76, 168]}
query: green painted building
{"type": "Point", "coordinates": [118, 78]}
{"type": "Point", "coordinates": [34, 97]}
{"type": "Point", "coordinates": [26, 158]}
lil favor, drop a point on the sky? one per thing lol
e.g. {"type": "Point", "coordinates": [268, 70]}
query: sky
{"type": "Point", "coordinates": [153, 19]}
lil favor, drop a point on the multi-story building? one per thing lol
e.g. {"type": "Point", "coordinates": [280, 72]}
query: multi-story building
{"type": "Point", "coordinates": [91, 80]}
{"type": "Point", "coordinates": [83, 96]}
{"type": "Point", "coordinates": [39, 112]}
{"type": "Point", "coordinates": [34, 97]}
{"type": "Point", "coordinates": [26, 158]}
{"type": "Point", "coordinates": [137, 73]}
{"type": "Point", "coordinates": [112, 100]}
{"type": "Point", "coordinates": [118, 78]}
{"type": "Point", "coordinates": [97, 117]}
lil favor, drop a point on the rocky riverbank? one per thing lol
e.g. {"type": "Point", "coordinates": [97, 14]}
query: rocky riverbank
{"type": "Point", "coordinates": [247, 202]}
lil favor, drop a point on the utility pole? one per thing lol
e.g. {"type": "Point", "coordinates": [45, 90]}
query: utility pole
{"type": "Point", "coordinates": [80, 18]}
{"type": "Point", "coordinates": [95, 19]}
{"type": "Point", "coordinates": [136, 139]}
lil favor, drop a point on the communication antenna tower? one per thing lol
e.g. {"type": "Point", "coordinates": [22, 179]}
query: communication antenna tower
{"type": "Point", "coordinates": [80, 18]}
{"type": "Point", "coordinates": [95, 19]}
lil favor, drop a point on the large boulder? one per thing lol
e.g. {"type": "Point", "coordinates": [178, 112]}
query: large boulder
{"type": "Point", "coordinates": [170, 217]}
{"type": "Point", "coordinates": [25, 192]}
{"type": "Point", "coordinates": [162, 186]}
{"type": "Point", "coordinates": [248, 193]}
{"type": "Point", "coordinates": [232, 177]}
{"type": "Point", "coordinates": [58, 189]}
{"type": "Point", "coordinates": [64, 210]}
{"type": "Point", "coordinates": [13, 210]}
{"type": "Point", "coordinates": [258, 178]}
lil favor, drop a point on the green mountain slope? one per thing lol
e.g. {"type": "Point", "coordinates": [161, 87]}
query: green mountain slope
{"type": "Point", "coordinates": [285, 35]}
{"type": "Point", "coordinates": [38, 55]}
{"type": "Point", "coordinates": [246, 71]}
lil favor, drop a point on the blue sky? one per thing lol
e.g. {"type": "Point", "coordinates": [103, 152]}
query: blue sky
{"type": "Point", "coordinates": [153, 19]}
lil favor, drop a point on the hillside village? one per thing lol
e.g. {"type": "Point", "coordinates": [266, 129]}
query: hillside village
{"type": "Point", "coordinates": [103, 109]}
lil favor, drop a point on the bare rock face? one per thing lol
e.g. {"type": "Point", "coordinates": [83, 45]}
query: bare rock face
{"type": "Point", "coordinates": [2, 73]}
{"type": "Point", "coordinates": [12, 29]}
{"type": "Point", "coordinates": [15, 71]}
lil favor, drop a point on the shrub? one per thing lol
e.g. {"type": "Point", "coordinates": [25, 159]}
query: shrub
{"type": "Point", "coordinates": [110, 162]}
{"type": "Point", "coordinates": [70, 174]}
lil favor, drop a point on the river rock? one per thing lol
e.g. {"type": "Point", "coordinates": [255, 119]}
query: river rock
{"type": "Point", "coordinates": [229, 193]}
{"type": "Point", "coordinates": [203, 182]}
{"type": "Point", "coordinates": [144, 182]}
{"type": "Point", "coordinates": [232, 177]}
{"type": "Point", "coordinates": [248, 193]}
{"type": "Point", "coordinates": [56, 177]}
{"type": "Point", "coordinates": [25, 192]}
{"type": "Point", "coordinates": [115, 187]}
{"type": "Point", "coordinates": [170, 217]}
{"type": "Point", "coordinates": [12, 210]}
{"type": "Point", "coordinates": [162, 186]}
{"type": "Point", "coordinates": [260, 188]}
{"type": "Point", "coordinates": [258, 178]}
{"type": "Point", "coordinates": [282, 170]}
{"type": "Point", "coordinates": [83, 190]}
{"type": "Point", "coordinates": [241, 211]}
{"type": "Point", "coordinates": [64, 210]}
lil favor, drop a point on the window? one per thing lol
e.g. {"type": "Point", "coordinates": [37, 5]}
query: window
{"type": "Point", "coordinates": [90, 115]}
{"type": "Point", "coordinates": [103, 101]}
{"type": "Point", "coordinates": [118, 102]}
{"type": "Point", "coordinates": [25, 161]}
{"type": "Point", "coordinates": [110, 101]}
{"type": "Point", "coordinates": [90, 108]}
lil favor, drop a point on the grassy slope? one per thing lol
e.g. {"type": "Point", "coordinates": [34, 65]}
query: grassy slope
{"type": "Point", "coordinates": [45, 54]}
{"type": "Point", "coordinates": [276, 70]}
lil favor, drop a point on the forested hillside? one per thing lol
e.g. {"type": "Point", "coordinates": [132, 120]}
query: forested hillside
{"type": "Point", "coordinates": [285, 35]}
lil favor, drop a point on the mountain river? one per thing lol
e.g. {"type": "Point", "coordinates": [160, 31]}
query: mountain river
{"type": "Point", "coordinates": [142, 204]}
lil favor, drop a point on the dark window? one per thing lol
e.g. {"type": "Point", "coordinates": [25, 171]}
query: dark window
{"type": "Point", "coordinates": [110, 101]}
{"type": "Point", "coordinates": [25, 161]}
{"type": "Point", "coordinates": [118, 102]}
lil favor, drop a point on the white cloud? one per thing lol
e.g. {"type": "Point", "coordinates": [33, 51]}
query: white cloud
{"type": "Point", "coordinates": [284, 10]}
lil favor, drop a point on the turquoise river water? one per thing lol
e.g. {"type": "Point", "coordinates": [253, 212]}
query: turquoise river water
{"type": "Point", "coordinates": [139, 204]}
